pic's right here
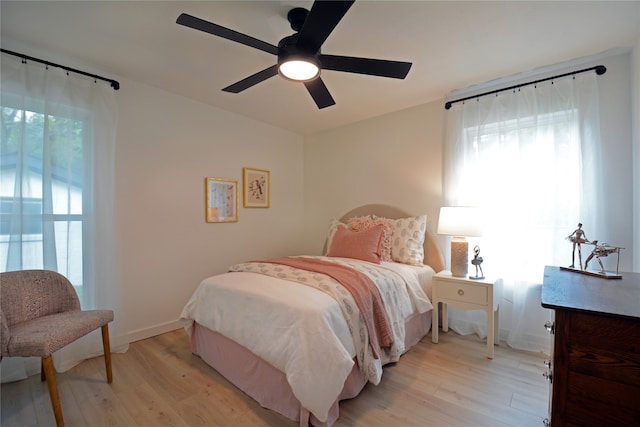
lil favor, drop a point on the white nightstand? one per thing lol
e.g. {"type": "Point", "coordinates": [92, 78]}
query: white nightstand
{"type": "Point", "coordinates": [466, 294]}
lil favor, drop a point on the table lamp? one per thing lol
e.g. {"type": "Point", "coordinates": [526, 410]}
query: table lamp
{"type": "Point", "coordinates": [460, 222]}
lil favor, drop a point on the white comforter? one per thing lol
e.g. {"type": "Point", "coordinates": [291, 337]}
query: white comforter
{"type": "Point", "coordinates": [296, 328]}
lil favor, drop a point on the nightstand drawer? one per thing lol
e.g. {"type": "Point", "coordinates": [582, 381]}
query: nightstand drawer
{"type": "Point", "coordinates": [463, 292]}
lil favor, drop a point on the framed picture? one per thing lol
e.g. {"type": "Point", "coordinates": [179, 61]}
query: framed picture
{"type": "Point", "coordinates": [257, 188]}
{"type": "Point", "coordinates": [222, 200]}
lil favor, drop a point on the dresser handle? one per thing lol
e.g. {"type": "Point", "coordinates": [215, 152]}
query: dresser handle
{"type": "Point", "coordinates": [460, 292]}
{"type": "Point", "coordinates": [546, 422]}
{"type": "Point", "coordinates": [548, 375]}
{"type": "Point", "coordinates": [547, 363]}
{"type": "Point", "coordinates": [549, 326]}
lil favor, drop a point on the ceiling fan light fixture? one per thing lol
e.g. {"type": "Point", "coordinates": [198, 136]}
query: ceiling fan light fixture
{"type": "Point", "coordinates": [299, 55]}
{"type": "Point", "coordinates": [299, 69]}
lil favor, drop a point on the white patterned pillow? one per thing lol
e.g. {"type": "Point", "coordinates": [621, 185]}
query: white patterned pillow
{"type": "Point", "coordinates": [408, 239]}
{"type": "Point", "coordinates": [333, 226]}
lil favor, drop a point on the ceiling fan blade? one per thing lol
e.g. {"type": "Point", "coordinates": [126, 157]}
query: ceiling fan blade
{"type": "Point", "coordinates": [226, 33]}
{"type": "Point", "coordinates": [319, 93]}
{"type": "Point", "coordinates": [252, 80]}
{"type": "Point", "coordinates": [322, 19]}
{"type": "Point", "coordinates": [374, 67]}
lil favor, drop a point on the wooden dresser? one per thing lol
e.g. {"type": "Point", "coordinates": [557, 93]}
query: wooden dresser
{"type": "Point", "coordinates": [595, 365]}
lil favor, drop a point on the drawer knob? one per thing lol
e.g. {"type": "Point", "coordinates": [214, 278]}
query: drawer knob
{"type": "Point", "coordinates": [460, 292]}
{"type": "Point", "coordinates": [549, 326]}
{"type": "Point", "coordinates": [547, 363]}
{"type": "Point", "coordinates": [548, 375]}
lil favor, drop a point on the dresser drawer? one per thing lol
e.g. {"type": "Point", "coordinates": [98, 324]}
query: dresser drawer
{"type": "Point", "coordinates": [469, 293]}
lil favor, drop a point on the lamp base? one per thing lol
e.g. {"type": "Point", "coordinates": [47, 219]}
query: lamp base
{"type": "Point", "coordinates": [459, 257]}
{"type": "Point", "coordinates": [476, 277]}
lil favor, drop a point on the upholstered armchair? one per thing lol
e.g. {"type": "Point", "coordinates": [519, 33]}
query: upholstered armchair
{"type": "Point", "coordinates": [40, 315]}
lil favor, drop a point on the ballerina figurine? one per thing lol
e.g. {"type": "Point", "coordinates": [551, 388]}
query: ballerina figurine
{"type": "Point", "coordinates": [477, 261]}
{"type": "Point", "coordinates": [578, 237]}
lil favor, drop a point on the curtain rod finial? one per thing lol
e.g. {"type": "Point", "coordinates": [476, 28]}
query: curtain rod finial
{"type": "Point", "coordinates": [601, 69]}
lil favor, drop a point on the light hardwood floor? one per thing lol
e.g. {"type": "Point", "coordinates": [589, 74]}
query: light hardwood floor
{"type": "Point", "coordinates": [158, 382]}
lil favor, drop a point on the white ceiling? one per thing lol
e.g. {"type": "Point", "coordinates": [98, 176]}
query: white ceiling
{"type": "Point", "coordinates": [452, 45]}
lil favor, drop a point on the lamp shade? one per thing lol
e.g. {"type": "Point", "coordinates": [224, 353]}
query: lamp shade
{"type": "Point", "coordinates": [460, 222]}
{"type": "Point", "coordinates": [464, 221]}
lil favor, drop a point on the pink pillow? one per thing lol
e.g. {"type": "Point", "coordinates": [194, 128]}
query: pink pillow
{"type": "Point", "coordinates": [361, 223]}
{"type": "Point", "coordinates": [364, 245]}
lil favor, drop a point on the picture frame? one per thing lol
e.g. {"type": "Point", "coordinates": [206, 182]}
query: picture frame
{"type": "Point", "coordinates": [221, 200]}
{"type": "Point", "coordinates": [256, 188]}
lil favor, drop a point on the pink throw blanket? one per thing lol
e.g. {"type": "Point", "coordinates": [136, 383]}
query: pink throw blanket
{"type": "Point", "coordinates": [365, 293]}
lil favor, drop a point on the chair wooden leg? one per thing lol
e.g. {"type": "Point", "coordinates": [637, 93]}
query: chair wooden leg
{"type": "Point", "coordinates": [107, 352]}
{"type": "Point", "coordinates": [50, 374]}
{"type": "Point", "coordinates": [43, 377]}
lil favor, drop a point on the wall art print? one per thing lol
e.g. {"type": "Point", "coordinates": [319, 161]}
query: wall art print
{"type": "Point", "coordinates": [222, 200]}
{"type": "Point", "coordinates": [257, 188]}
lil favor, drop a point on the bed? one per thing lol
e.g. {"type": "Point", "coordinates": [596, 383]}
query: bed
{"type": "Point", "coordinates": [298, 336]}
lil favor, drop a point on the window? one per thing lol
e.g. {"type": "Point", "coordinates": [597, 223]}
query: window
{"type": "Point", "coordinates": [57, 153]}
{"type": "Point", "coordinates": [526, 172]}
{"type": "Point", "coordinates": [530, 159]}
{"type": "Point", "coordinates": [41, 194]}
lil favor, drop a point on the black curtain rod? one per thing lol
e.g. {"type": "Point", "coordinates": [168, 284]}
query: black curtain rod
{"type": "Point", "coordinates": [600, 69]}
{"type": "Point", "coordinates": [114, 84]}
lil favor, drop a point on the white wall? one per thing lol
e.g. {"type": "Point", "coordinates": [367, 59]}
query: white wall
{"type": "Point", "coordinates": [395, 159]}
{"type": "Point", "coordinates": [166, 146]}
{"type": "Point", "coordinates": [616, 132]}
{"type": "Point", "coordinates": [635, 80]}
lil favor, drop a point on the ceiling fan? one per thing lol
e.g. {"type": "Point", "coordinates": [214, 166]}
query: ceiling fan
{"type": "Point", "coordinates": [299, 56]}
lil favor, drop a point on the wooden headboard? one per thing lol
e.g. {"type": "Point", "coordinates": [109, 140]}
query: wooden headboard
{"type": "Point", "coordinates": [432, 255]}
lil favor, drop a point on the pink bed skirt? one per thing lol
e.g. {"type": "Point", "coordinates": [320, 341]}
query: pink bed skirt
{"type": "Point", "coordinates": [268, 385]}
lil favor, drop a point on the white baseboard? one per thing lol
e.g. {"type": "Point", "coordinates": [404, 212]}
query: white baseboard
{"type": "Point", "coordinates": [145, 333]}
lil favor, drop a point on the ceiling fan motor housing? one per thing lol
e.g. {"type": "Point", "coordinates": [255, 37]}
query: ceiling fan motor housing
{"type": "Point", "coordinates": [296, 18]}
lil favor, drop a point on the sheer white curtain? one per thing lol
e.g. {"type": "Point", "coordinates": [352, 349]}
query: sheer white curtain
{"type": "Point", "coordinates": [57, 192]}
{"type": "Point", "coordinates": [529, 158]}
